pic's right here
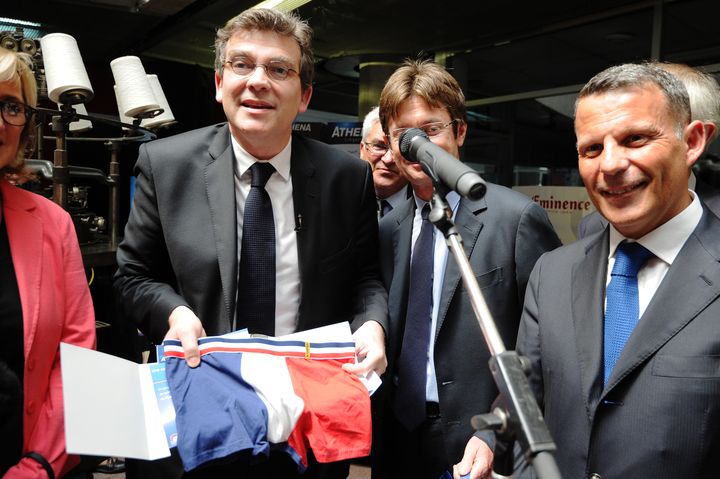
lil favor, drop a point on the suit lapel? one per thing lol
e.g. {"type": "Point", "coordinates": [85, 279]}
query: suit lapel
{"type": "Point", "coordinates": [709, 196]}
{"type": "Point", "coordinates": [401, 247]}
{"type": "Point", "coordinates": [468, 223]}
{"type": "Point", "coordinates": [306, 201]}
{"type": "Point", "coordinates": [220, 189]}
{"type": "Point", "coordinates": [693, 276]}
{"type": "Point", "coordinates": [25, 234]}
{"type": "Point", "coordinates": [589, 275]}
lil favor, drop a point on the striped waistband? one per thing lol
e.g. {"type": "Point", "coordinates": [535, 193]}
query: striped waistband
{"type": "Point", "coordinates": [284, 348]}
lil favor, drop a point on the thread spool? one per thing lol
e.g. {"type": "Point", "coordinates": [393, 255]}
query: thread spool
{"type": "Point", "coordinates": [133, 88]}
{"type": "Point", "coordinates": [121, 110]}
{"type": "Point", "coordinates": [166, 117]}
{"type": "Point", "coordinates": [67, 80]}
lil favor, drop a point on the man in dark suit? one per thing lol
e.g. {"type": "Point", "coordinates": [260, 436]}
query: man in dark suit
{"type": "Point", "coordinates": [621, 327]}
{"type": "Point", "coordinates": [503, 233]}
{"type": "Point", "coordinates": [391, 187]}
{"type": "Point", "coordinates": [704, 94]}
{"type": "Point", "coordinates": [181, 262]}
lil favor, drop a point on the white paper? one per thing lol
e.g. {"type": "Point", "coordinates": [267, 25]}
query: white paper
{"type": "Point", "coordinates": [110, 406]}
{"type": "Point", "coordinates": [338, 332]}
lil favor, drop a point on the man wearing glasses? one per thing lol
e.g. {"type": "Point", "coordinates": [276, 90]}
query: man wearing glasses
{"type": "Point", "coordinates": [438, 375]}
{"type": "Point", "coordinates": [390, 185]}
{"type": "Point", "coordinates": [244, 225]}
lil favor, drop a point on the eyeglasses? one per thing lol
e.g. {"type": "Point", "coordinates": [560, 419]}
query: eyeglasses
{"type": "Point", "coordinates": [275, 69]}
{"type": "Point", "coordinates": [431, 129]}
{"type": "Point", "coordinates": [376, 148]}
{"type": "Point", "coordinates": [15, 113]}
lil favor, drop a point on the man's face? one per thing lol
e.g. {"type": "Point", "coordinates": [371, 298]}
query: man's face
{"type": "Point", "coordinates": [261, 110]}
{"type": "Point", "coordinates": [386, 176]}
{"type": "Point", "coordinates": [634, 165]}
{"type": "Point", "coordinates": [9, 134]}
{"type": "Point", "coordinates": [414, 113]}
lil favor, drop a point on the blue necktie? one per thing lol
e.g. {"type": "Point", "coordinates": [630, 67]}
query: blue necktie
{"type": "Point", "coordinates": [256, 279]}
{"type": "Point", "coordinates": [622, 309]}
{"type": "Point", "coordinates": [410, 407]}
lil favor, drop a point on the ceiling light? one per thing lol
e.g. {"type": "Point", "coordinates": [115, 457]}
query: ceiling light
{"type": "Point", "coordinates": [22, 23]}
{"type": "Point", "coordinates": [282, 5]}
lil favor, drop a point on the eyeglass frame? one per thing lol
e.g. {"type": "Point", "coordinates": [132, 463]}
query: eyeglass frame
{"type": "Point", "coordinates": [264, 66]}
{"type": "Point", "coordinates": [395, 137]}
{"type": "Point", "coordinates": [372, 147]}
{"type": "Point", "coordinates": [27, 114]}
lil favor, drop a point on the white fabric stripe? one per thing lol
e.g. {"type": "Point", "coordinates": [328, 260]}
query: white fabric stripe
{"type": "Point", "coordinates": [277, 348]}
{"type": "Point", "coordinates": [270, 377]}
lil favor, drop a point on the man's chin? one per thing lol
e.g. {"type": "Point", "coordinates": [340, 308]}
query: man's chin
{"type": "Point", "coordinates": [386, 177]}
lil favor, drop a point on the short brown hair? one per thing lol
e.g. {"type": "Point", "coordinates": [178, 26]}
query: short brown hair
{"type": "Point", "coordinates": [427, 80]}
{"type": "Point", "coordinates": [639, 75]}
{"type": "Point", "coordinates": [265, 19]}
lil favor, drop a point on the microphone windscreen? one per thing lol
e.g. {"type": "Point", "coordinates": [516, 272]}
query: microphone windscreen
{"type": "Point", "coordinates": [406, 139]}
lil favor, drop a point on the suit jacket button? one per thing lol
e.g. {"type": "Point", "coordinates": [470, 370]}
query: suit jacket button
{"type": "Point", "coordinates": [30, 408]}
{"type": "Point", "coordinates": [595, 476]}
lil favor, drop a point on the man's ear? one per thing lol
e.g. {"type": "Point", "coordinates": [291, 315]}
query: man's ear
{"type": "Point", "coordinates": [710, 132]}
{"type": "Point", "coordinates": [305, 96]}
{"type": "Point", "coordinates": [695, 141]}
{"type": "Point", "coordinates": [462, 131]}
{"type": "Point", "coordinates": [218, 88]}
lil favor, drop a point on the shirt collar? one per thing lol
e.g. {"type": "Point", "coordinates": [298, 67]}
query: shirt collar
{"type": "Point", "coordinates": [452, 198]}
{"type": "Point", "coordinates": [396, 198]}
{"type": "Point", "coordinates": [245, 160]}
{"type": "Point", "coordinates": [666, 240]}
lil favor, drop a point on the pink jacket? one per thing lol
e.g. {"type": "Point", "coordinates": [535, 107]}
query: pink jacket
{"type": "Point", "coordinates": [56, 307]}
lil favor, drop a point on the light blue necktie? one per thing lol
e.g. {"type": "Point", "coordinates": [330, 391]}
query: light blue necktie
{"type": "Point", "coordinates": [622, 309]}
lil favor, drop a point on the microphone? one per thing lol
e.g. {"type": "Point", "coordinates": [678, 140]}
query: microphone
{"type": "Point", "coordinates": [416, 147]}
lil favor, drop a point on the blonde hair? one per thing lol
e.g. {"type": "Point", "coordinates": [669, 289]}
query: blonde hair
{"type": "Point", "coordinates": [16, 68]}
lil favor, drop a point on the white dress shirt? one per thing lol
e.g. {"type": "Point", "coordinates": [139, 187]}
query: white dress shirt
{"type": "Point", "coordinates": [440, 257]}
{"type": "Point", "coordinates": [287, 271]}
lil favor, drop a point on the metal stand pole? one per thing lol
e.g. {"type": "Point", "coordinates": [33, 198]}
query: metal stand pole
{"type": "Point", "coordinates": [519, 413]}
{"type": "Point", "coordinates": [61, 173]}
{"type": "Point", "coordinates": [114, 200]}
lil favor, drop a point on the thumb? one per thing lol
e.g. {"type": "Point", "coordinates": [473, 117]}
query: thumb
{"type": "Point", "coordinates": [463, 467]}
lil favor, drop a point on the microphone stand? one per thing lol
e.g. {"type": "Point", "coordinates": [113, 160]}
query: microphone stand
{"type": "Point", "coordinates": [519, 414]}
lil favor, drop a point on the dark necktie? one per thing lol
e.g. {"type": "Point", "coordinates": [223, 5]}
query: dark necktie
{"type": "Point", "coordinates": [622, 309]}
{"type": "Point", "coordinates": [385, 207]}
{"type": "Point", "coordinates": [410, 406]}
{"type": "Point", "coordinates": [256, 280]}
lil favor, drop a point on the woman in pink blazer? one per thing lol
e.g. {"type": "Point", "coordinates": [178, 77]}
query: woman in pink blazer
{"type": "Point", "coordinates": [44, 296]}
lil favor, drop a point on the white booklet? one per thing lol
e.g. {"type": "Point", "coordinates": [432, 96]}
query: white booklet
{"type": "Point", "coordinates": [111, 405]}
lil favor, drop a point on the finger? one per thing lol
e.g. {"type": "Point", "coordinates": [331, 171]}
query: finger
{"type": "Point", "coordinates": [376, 360]}
{"type": "Point", "coordinates": [190, 347]}
{"type": "Point", "coordinates": [359, 369]}
{"type": "Point", "coordinates": [463, 467]}
{"type": "Point", "coordinates": [481, 470]}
